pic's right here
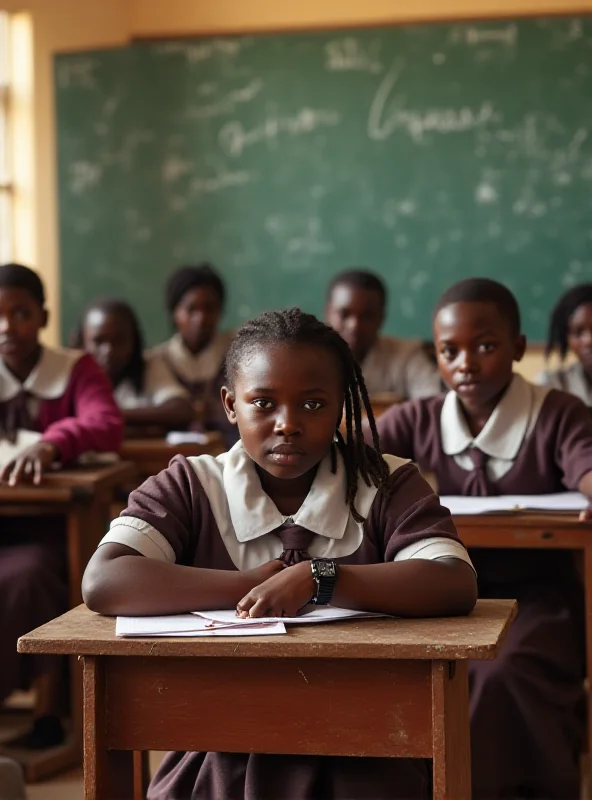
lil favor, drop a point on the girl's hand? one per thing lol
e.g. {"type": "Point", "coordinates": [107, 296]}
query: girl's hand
{"type": "Point", "coordinates": [31, 464]}
{"type": "Point", "coordinates": [282, 595]}
{"type": "Point", "coordinates": [265, 571]}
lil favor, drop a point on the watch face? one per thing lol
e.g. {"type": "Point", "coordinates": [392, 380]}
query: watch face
{"type": "Point", "coordinates": [326, 569]}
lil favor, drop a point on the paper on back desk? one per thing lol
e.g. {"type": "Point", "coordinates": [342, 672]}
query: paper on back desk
{"type": "Point", "coordinates": [190, 625]}
{"type": "Point", "coordinates": [561, 501]}
{"type": "Point", "coordinates": [9, 451]}
{"type": "Point", "coordinates": [310, 614]}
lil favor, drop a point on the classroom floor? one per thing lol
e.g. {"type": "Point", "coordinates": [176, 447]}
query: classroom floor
{"type": "Point", "coordinates": [68, 785]}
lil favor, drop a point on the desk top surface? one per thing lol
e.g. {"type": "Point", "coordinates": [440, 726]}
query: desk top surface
{"type": "Point", "coordinates": [137, 449]}
{"type": "Point", "coordinates": [67, 484]}
{"type": "Point", "coordinates": [522, 519]}
{"type": "Point", "coordinates": [478, 636]}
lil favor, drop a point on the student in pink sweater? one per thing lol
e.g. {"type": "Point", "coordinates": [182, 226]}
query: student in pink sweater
{"type": "Point", "coordinates": [66, 398]}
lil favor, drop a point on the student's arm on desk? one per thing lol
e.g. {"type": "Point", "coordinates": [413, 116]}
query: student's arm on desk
{"type": "Point", "coordinates": [119, 580]}
{"type": "Point", "coordinates": [139, 570]}
{"type": "Point", "coordinates": [410, 518]}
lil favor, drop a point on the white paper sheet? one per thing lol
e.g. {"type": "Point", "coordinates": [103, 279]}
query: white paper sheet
{"type": "Point", "coordinates": [563, 501]}
{"type": "Point", "coordinates": [310, 614]}
{"type": "Point", "coordinates": [186, 437]}
{"type": "Point", "coordinates": [188, 625]}
{"type": "Point", "coordinates": [24, 439]}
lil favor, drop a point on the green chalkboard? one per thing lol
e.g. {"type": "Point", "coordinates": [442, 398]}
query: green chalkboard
{"type": "Point", "coordinates": [425, 153]}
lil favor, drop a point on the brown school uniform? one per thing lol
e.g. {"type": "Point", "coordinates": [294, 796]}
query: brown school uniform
{"type": "Point", "coordinates": [570, 379]}
{"type": "Point", "coordinates": [525, 705]}
{"type": "Point", "coordinates": [399, 367]}
{"type": "Point", "coordinates": [212, 513]}
{"type": "Point", "coordinates": [203, 376]}
{"type": "Point", "coordinates": [68, 399]}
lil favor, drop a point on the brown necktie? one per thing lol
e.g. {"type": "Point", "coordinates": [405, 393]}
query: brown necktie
{"type": "Point", "coordinates": [477, 483]}
{"type": "Point", "coordinates": [295, 540]}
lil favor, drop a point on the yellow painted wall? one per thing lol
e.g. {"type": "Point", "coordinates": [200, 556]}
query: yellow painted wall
{"type": "Point", "coordinates": [179, 17]}
{"type": "Point", "coordinates": [60, 25]}
{"type": "Point", "coordinates": [57, 25]}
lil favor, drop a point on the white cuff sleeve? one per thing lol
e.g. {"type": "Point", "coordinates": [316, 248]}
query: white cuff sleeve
{"type": "Point", "coordinates": [433, 549]}
{"type": "Point", "coordinates": [140, 536]}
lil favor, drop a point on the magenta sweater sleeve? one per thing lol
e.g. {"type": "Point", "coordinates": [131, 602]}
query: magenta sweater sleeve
{"type": "Point", "coordinates": [95, 422]}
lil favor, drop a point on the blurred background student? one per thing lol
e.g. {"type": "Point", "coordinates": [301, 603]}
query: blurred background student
{"type": "Point", "coordinates": [147, 392]}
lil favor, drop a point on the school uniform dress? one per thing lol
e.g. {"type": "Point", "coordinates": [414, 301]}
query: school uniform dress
{"type": "Point", "coordinates": [203, 376]}
{"type": "Point", "coordinates": [212, 513]}
{"type": "Point", "coordinates": [525, 705]}
{"type": "Point", "coordinates": [400, 367]}
{"type": "Point", "coordinates": [67, 397]}
{"type": "Point", "coordinates": [159, 386]}
{"type": "Point", "coordinates": [570, 379]}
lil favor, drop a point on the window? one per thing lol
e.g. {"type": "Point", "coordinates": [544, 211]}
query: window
{"type": "Point", "coordinates": [6, 194]}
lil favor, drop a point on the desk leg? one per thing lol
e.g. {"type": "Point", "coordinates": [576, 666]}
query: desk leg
{"type": "Point", "coordinates": [108, 774]}
{"type": "Point", "coordinates": [450, 731]}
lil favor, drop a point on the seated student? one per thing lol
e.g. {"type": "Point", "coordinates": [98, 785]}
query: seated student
{"type": "Point", "coordinates": [570, 328]}
{"type": "Point", "coordinates": [355, 307]}
{"type": "Point", "coordinates": [195, 299]}
{"type": "Point", "coordinates": [494, 434]}
{"type": "Point", "coordinates": [66, 397]}
{"type": "Point", "coordinates": [238, 531]}
{"type": "Point", "coordinates": [145, 389]}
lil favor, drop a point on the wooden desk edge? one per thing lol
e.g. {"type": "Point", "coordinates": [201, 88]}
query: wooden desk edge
{"type": "Point", "coordinates": [44, 640]}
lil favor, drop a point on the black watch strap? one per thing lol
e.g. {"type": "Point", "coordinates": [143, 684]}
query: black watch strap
{"type": "Point", "coordinates": [325, 572]}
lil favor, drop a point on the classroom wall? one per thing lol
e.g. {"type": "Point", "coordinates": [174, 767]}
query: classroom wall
{"type": "Point", "coordinates": [60, 25]}
{"type": "Point", "coordinates": [57, 25]}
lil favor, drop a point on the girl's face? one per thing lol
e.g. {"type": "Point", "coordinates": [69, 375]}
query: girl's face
{"type": "Point", "coordinates": [287, 403]}
{"type": "Point", "coordinates": [356, 314]}
{"type": "Point", "coordinates": [196, 317]}
{"type": "Point", "coordinates": [476, 349]}
{"type": "Point", "coordinates": [579, 335]}
{"type": "Point", "coordinates": [109, 338]}
{"type": "Point", "coordinates": [21, 319]}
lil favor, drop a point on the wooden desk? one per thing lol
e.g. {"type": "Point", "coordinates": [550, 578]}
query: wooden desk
{"type": "Point", "coordinates": [538, 531]}
{"type": "Point", "coordinates": [381, 402]}
{"type": "Point", "coordinates": [395, 688]}
{"type": "Point", "coordinates": [83, 496]}
{"type": "Point", "coordinates": [150, 456]}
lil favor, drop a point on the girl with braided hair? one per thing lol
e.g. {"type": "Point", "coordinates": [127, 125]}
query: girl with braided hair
{"type": "Point", "coordinates": [293, 514]}
{"type": "Point", "coordinates": [570, 329]}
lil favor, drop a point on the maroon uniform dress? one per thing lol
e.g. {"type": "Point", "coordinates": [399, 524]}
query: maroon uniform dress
{"type": "Point", "coordinates": [526, 705]}
{"type": "Point", "coordinates": [68, 399]}
{"type": "Point", "coordinates": [212, 513]}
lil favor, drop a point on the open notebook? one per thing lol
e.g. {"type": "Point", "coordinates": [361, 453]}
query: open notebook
{"type": "Point", "coordinates": [563, 501]}
{"type": "Point", "coordinates": [226, 623]}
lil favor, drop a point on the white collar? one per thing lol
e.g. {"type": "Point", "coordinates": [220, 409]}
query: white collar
{"type": "Point", "coordinates": [504, 431]}
{"type": "Point", "coordinates": [47, 380]}
{"type": "Point", "coordinates": [324, 510]}
{"type": "Point", "coordinates": [201, 367]}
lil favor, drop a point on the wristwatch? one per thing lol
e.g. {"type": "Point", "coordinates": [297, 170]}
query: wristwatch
{"type": "Point", "coordinates": [325, 572]}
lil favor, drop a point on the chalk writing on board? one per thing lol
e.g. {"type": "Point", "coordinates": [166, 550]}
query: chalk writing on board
{"type": "Point", "coordinates": [83, 176]}
{"type": "Point", "coordinates": [174, 168]}
{"type": "Point", "coordinates": [195, 52]}
{"type": "Point", "coordinates": [228, 103]}
{"type": "Point", "coordinates": [387, 115]}
{"type": "Point", "coordinates": [234, 138]}
{"type": "Point", "coordinates": [224, 180]}
{"type": "Point", "coordinates": [348, 55]}
{"type": "Point", "coordinates": [474, 35]}
{"type": "Point", "coordinates": [79, 72]}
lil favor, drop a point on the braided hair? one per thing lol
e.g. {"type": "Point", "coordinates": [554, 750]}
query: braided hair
{"type": "Point", "coordinates": [560, 315]}
{"type": "Point", "coordinates": [135, 368]}
{"type": "Point", "coordinates": [293, 327]}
